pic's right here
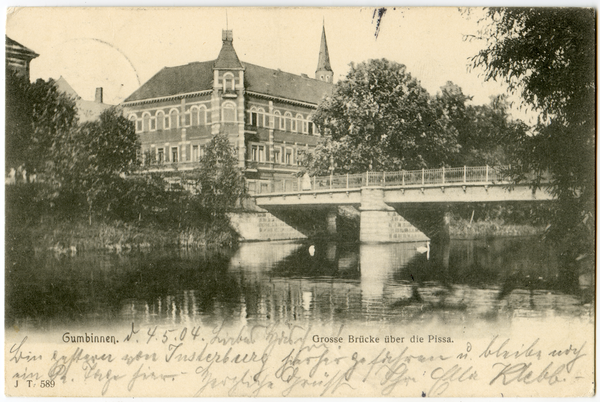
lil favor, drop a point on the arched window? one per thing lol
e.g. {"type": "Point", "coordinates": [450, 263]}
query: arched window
{"type": "Point", "coordinates": [194, 113]}
{"type": "Point", "coordinates": [174, 118]}
{"type": "Point", "coordinates": [228, 112]}
{"type": "Point", "coordinates": [202, 115]}
{"type": "Point", "coordinates": [160, 120]}
{"type": "Point", "coordinates": [299, 121]}
{"type": "Point", "coordinates": [288, 121]}
{"type": "Point", "coordinates": [146, 122]}
{"type": "Point", "coordinates": [228, 82]}
{"type": "Point", "coordinates": [277, 119]}
{"type": "Point", "coordinates": [261, 118]}
{"type": "Point", "coordinates": [253, 117]}
{"type": "Point", "coordinates": [136, 122]}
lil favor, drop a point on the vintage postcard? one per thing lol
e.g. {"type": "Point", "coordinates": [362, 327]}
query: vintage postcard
{"type": "Point", "coordinates": [302, 202]}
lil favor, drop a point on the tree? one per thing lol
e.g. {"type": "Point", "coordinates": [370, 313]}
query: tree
{"type": "Point", "coordinates": [37, 115]}
{"type": "Point", "coordinates": [220, 182]}
{"type": "Point", "coordinates": [547, 55]}
{"type": "Point", "coordinates": [380, 118]}
{"type": "Point", "coordinates": [487, 134]}
{"type": "Point", "coordinates": [88, 161]}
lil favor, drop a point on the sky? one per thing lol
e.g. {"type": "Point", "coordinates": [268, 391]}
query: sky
{"type": "Point", "coordinates": [121, 48]}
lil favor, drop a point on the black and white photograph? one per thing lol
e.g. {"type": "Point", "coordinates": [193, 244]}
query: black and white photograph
{"type": "Point", "coordinates": [300, 202]}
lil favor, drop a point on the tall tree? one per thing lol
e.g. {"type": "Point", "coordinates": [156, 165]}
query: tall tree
{"type": "Point", "coordinates": [37, 115]}
{"type": "Point", "coordinates": [220, 182]}
{"type": "Point", "coordinates": [89, 160]}
{"type": "Point", "coordinates": [548, 55]}
{"type": "Point", "coordinates": [380, 118]}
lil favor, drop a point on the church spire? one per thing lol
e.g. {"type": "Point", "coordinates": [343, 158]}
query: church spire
{"type": "Point", "coordinates": [324, 71]}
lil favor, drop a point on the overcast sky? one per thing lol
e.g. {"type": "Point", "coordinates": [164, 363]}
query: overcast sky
{"type": "Point", "coordinates": [121, 48]}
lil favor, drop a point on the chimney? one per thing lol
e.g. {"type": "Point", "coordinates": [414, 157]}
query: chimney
{"type": "Point", "coordinates": [98, 98]}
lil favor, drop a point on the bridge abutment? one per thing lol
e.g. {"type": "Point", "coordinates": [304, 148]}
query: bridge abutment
{"type": "Point", "coordinates": [380, 223]}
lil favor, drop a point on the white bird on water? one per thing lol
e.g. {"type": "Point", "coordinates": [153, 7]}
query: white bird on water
{"type": "Point", "coordinates": [311, 250]}
{"type": "Point", "coordinates": [423, 249]}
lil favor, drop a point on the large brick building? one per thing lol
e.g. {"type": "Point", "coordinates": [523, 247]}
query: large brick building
{"type": "Point", "coordinates": [266, 113]}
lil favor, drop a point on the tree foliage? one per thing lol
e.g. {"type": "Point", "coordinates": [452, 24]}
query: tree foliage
{"type": "Point", "coordinates": [37, 116]}
{"type": "Point", "coordinates": [547, 55]}
{"type": "Point", "coordinates": [379, 118]}
{"type": "Point", "coordinates": [487, 134]}
{"type": "Point", "coordinates": [88, 161]}
{"type": "Point", "coordinates": [220, 182]}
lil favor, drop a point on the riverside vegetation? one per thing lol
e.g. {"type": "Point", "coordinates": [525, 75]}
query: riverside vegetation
{"type": "Point", "coordinates": [81, 186]}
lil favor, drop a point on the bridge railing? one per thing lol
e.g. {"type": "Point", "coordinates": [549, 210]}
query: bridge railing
{"type": "Point", "coordinates": [441, 177]}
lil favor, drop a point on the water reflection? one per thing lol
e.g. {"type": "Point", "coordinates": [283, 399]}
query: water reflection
{"type": "Point", "coordinates": [462, 280]}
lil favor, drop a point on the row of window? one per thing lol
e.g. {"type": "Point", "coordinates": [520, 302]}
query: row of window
{"type": "Point", "coordinates": [171, 154]}
{"type": "Point", "coordinates": [194, 117]}
{"type": "Point", "coordinates": [281, 155]}
{"type": "Point", "coordinates": [200, 116]}
{"type": "Point", "coordinates": [287, 122]}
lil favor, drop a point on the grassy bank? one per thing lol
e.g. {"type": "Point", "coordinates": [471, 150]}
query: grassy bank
{"type": "Point", "coordinates": [37, 219]}
{"type": "Point", "coordinates": [68, 237]}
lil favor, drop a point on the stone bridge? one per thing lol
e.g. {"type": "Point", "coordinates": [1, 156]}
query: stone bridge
{"type": "Point", "coordinates": [395, 206]}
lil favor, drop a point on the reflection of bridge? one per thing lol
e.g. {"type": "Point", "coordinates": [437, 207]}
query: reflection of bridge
{"type": "Point", "coordinates": [379, 196]}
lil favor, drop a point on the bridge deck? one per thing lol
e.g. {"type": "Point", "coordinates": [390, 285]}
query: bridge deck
{"type": "Point", "coordinates": [466, 184]}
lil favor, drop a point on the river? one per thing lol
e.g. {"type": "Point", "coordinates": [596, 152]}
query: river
{"type": "Point", "coordinates": [478, 282]}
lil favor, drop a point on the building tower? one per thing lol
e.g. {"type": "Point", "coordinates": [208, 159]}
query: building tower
{"type": "Point", "coordinates": [324, 71]}
{"type": "Point", "coordinates": [228, 96]}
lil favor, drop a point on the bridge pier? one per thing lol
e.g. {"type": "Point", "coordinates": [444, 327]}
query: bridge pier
{"type": "Point", "coordinates": [380, 223]}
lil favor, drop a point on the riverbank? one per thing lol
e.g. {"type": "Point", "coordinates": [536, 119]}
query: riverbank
{"type": "Point", "coordinates": [68, 237]}
{"type": "Point", "coordinates": [464, 229]}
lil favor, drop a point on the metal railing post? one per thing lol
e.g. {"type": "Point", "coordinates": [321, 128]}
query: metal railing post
{"type": "Point", "coordinates": [367, 180]}
{"type": "Point", "coordinates": [314, 182]}
{"type": "Point", "coordinates": [403, 177]}
{"type": "Point", "coordinates": [486, 173]}
{"type": "Point", "coordinates": [347, 181]}
{"type": "Point", "coordinates": [331, 180]}
{"type": "Point", "coordinates": [422, 176]}
{"type": "Point", "coordinates": [384, 178]}
{"type": "Point", "coordinates": [465, 175]}
{"type": "Point", "coordinates": [443, 175]}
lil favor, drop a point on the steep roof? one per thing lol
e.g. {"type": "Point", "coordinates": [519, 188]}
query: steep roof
{"type": "Point", "coordinates": [195, 77]}
{"type": "Point", "coordinates": [285, 85]}
{"type": "Point", "coordinates": [324, 64]}
{"type": "Point", "coordinates": [63, 86]}
{"type": "Point", "coordinates": [228, 58]}
{"type": "Point", "coordinates": [169, 81]}
{"type": "Point", "coordinates": [86, 110]}
{"type": "Point", "coordinates": [15, 49]}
